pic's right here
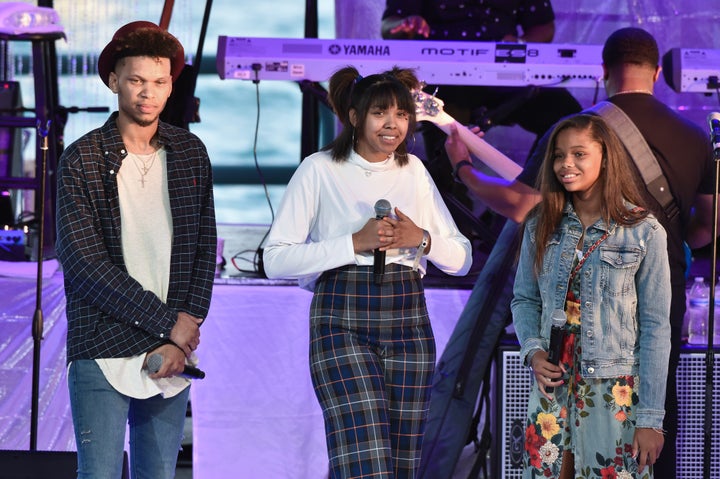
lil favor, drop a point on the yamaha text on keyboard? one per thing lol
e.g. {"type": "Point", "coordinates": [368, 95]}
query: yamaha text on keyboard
{"type": "Point", "coordinates": [434, 62]}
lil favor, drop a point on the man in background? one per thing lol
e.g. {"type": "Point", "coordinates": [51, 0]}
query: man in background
{"type": "Point", "coordinates": [136, 238]}
{"type": "Point", "coordinates": [516, 21]}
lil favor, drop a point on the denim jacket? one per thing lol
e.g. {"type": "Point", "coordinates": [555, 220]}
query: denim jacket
{"type": "Point", "coordinates": [625, 302]}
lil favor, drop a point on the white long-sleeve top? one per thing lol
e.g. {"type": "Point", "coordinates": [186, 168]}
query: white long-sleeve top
{"type": "Point", "coordinates": [327, 201]}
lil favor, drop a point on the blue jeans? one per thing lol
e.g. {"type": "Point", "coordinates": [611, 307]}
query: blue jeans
{"type": "Point", "coordinates": [100, 415]}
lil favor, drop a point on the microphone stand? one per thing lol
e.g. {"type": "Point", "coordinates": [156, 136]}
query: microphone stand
{"type": "Point", "coordinates": [710, 352]}
{"type": "Point", "coordinates": [37, 325]}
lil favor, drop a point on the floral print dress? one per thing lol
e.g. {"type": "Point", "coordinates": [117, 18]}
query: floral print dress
{"type": "Point", "coordinates": [593, 418]}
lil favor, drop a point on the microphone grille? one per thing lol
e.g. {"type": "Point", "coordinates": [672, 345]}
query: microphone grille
{"type": "Point", "coordinates": [154, 361]}
{"type": "Point", "coordinates": [559, 318]}
{"type": "Point", "coordinates": [382, 207]}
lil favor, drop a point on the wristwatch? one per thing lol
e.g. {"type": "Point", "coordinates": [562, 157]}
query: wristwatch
{"type": "Point", "coordinates": [425, 240]}
{"type": "Point", "coordinates": [421, 249]}
{"type": "Point", "coordinates": [458, 166]}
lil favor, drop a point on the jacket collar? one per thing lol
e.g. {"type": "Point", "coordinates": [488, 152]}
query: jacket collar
{"type": "Point", "coordinates": [569, 211]}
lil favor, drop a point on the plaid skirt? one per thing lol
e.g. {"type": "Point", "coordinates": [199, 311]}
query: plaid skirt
{"type": "Point", "coordinates": [372, 356]}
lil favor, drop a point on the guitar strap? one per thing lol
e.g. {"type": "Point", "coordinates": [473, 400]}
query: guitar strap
{"type": "Point", "coordinates": [641, 154]}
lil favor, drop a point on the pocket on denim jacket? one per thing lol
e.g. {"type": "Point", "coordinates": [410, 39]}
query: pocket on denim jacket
{"type": "Point", "coordinates": [619, 265]}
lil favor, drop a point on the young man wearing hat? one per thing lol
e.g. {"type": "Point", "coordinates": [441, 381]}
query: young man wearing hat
{"type": "Point", "coordinates": [136, 238]}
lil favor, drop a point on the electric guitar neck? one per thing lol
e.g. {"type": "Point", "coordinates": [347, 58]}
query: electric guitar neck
{"type": "Point", "coordinates": [430, 108]}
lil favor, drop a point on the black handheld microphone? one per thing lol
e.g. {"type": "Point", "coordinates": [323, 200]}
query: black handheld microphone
{"type": "Point", "coordinates": [382, 209]}
{"type": "Point", "coordinates": [154, 361]}
{"type": "Point", "coordinates": [557, 333]}
{"type": "Point", "coordinates": [714, 124]}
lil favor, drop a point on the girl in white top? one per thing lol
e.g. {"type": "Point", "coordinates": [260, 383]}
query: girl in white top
{"type": "Point", "coordinates": [372, 347]}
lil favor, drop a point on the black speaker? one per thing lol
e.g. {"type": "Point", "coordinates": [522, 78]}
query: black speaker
{"type": "Point", "coordinates": [43, 465]}
{"type": "Point", "coordinates": [11, 161]}
{"type": "Point", "coordinates": [10, 137]}
{"type": "Point", "coordinates": [7, 217]}
{"type": "Point", "coordinates": [691, 416]}
{"type": "Point", "coordinates": [512, 385]}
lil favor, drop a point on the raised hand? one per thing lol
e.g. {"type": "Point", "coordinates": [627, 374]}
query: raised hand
{"type": "Point", "coordinates": [410, 27]}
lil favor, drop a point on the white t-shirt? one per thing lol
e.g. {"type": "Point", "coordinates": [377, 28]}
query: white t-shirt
{"type": "Point", "coordinates": [147, 231]}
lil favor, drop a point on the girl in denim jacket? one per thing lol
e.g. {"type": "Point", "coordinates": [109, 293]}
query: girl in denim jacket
{"type": "Point", "coordinates": [590, 253]}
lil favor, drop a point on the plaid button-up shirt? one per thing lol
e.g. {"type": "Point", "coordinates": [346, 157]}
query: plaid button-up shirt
{"type": "Point", "coordinates": [109, 314]}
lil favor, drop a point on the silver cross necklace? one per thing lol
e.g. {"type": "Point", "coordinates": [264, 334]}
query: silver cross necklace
{"type": "Point", "coordinates": [144, 166]}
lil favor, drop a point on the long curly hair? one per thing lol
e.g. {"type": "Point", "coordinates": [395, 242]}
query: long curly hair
{"type": "Point", "coordinates": [350, 91]}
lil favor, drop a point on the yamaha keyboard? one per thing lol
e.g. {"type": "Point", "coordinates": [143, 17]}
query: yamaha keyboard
{"type": "Point", "coordinates": [434, 62]}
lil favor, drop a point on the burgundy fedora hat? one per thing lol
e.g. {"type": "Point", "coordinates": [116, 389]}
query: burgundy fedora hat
{"type": "Point", "coordinates": [108, 57]}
